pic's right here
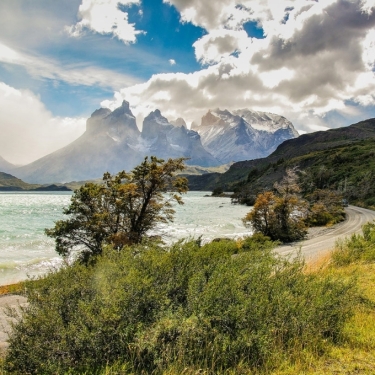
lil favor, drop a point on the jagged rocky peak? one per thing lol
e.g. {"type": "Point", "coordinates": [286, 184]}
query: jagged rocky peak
{"type": "Point", "coordinates": [210, 119]}
{"type": "Point", "coordinates": [243, 134]}
{"type": "Point", "coordinates": [227, 118]}
{"type": "Point", "coordinates": [156, 117]}
{"type": "Point", "coordinates": [155, 124]}
{"type": "Point", "coordinates": [179, 122]}
{"type": "Point", "coordinates": [124, 109]}
{"type": "Point", "coordinates": [266, 121]}
{"type": "Point", "coordinates": [122, 123]}
{"type": "Point", "coordinates": [118, 125]}
{"type": "Point", "coordinates": [101, 112]}
{"type": "Point", "coordinates": [95, 122]}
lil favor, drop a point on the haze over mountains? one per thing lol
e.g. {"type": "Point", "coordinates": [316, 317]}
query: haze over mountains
{"type": "Point", "coordinates": [113, 142]}
{"type": "Point", "coordinates": [5, 166]}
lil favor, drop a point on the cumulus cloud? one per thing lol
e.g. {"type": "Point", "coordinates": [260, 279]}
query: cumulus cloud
{"type": "Point", "coordinates": [316, 58]}
{"type": "Point", "coordinates": [172, 61]}
{"type": "Point", "coordinates": [28, 130]}
{"type": "Point", "coordinates": [75, 74]}
{"type": "Point", "coordinates": [213, 15]}
{"type": "Point", "coordinates": [219, 44]}
{"type": "Point", "coordinates": [106, 17]}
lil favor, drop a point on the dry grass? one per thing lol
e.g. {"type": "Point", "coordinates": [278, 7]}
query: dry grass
{"type": "Point", "coordinates": [355, 355]}
{"type": "Point", "coordinates": [318, 264]}
{"type": "Point", "coordinates": [11, 289]}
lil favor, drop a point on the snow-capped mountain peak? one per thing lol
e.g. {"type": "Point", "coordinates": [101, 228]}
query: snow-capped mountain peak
{"type": "Point", "coordinates": [243, 134]}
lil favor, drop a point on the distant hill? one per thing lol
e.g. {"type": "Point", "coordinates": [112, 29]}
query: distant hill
{"type": "Point", "coordinates": [341, 158]}
{"type": "Point", "coordinates": [12, 183]}
{"type": "Point", "coordinates": [5, 166]}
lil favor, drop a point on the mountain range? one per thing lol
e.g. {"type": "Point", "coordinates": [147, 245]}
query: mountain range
{"type": "Point", "coordinates": [340, 159]}
{"type": "Point", "coordinates": [113, 142]}
{"type": "Point", "coordinates": [243, 134]}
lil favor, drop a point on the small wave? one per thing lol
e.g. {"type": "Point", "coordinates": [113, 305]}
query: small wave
{"type": "Point", "coordinates": [10, 265]}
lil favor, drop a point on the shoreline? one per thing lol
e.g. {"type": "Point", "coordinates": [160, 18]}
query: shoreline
{"type": "Point", "coordinates": [11, 289]}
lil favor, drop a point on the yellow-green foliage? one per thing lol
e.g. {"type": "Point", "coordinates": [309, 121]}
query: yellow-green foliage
{"type": "Point", "coordinates": [358, 248]}
{"type": "Point", "coordinates": [220, 307]}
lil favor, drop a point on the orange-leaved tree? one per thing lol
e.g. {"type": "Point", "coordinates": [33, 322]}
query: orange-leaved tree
{"type": "Point", "coordinates": [280, 215]}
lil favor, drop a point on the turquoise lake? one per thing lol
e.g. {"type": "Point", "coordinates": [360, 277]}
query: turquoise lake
{"type": "Point", "coordinates": [25, 251]}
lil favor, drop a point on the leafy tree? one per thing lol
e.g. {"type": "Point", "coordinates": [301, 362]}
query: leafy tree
{"type": "Point", "coordinates": [291, 210]}
{"type": "Point", "coordinates": [280, 216]}
{"type": "Point", "coordinates": [121, 210]}
{"type": "Point", "coordinates": [262, 218]}
{"type": "Point", "coordinates": [325, 207]}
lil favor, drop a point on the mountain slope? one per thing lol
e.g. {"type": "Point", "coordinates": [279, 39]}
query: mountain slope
{"type": "Point", "coordinates": [11, 183]}
{"type": "Point", "coordinates": [340, 158]}
{"type": "Point", "coordinates": [243, 134]}
{"type": "Point", "coordinates": [105, 146]}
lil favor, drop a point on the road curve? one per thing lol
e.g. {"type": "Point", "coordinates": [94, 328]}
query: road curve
{"type": "Point", "coordinates": [324, 241]}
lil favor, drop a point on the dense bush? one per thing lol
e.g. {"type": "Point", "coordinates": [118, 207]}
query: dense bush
{"type": "Point", "coordinates": [358, 248]}
{"type": "Point", "coordinates": [151, 308]}
{"type": "Point", "coordinates": [326, 207]}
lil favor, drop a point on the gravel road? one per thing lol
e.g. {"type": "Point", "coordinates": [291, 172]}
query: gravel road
{"type": "Point", "coordinates": [5, 301]}
{"type": "Point", "coordinates": [322, 240]}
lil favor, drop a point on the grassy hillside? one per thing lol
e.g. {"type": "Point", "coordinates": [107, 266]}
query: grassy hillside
{"type": "Point", "coordinates": [341, 159]}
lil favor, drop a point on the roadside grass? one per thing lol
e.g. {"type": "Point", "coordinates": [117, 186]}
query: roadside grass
{"type": "Point", "coordinates": [353, 353]}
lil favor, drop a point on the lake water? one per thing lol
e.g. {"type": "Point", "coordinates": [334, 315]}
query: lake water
{"type": "Point", "coordinates": [26, 251]}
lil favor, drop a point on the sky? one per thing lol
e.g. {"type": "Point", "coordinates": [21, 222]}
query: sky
{"type": "Point", "coordinates": [312, 61]}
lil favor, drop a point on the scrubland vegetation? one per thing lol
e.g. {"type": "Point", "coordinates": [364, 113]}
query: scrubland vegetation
{"type": "Point", "coordinates": [222, 308]}
{"type": "Point", "coordinates": [347, 169]}
{"type": "Point", "coordinates": [218, 307]}
{"type": "Point", "coordinates": [285, 213]}
{"type": "Point", "coordinates": [226, 307]}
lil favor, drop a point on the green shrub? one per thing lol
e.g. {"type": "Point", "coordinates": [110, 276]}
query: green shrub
{"type": "Point", "coordinates": [358, 248]}
{"type": "Point", "coordinates": [151, 308]}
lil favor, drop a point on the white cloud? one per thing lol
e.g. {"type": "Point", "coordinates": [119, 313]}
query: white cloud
{"type": "Point", "coordinates": [105, 17]}
{"type": "Point", "coordinates": [212, 15]}
{"type": "Point", "coordinates": [172, 61]}
{"type": "Point", "coordinates": [218, 44]}
{"type": "Point", "coordinates": [28, 130]}
{"type": "Point", "coordinates": [316, 58]}
{"type": "Point", "coordinates": [75, 74]}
